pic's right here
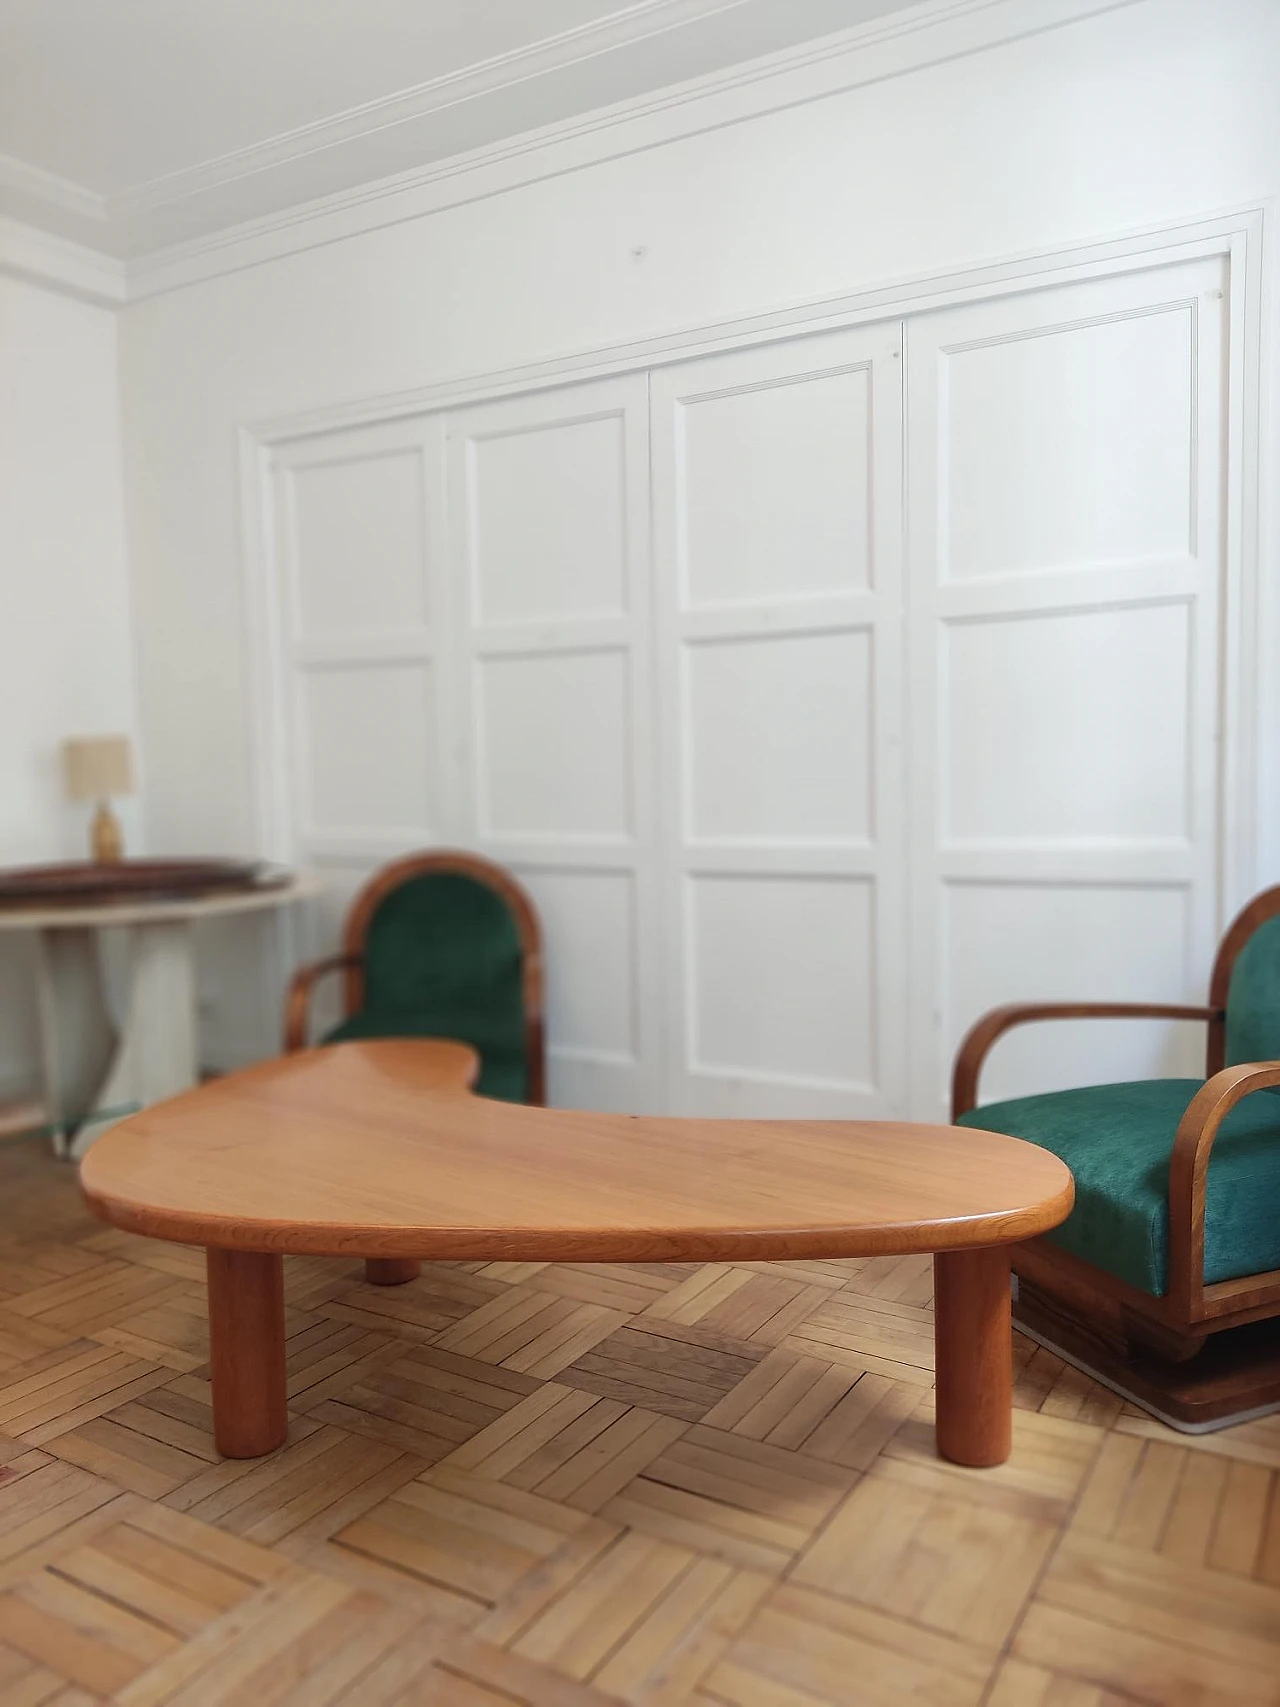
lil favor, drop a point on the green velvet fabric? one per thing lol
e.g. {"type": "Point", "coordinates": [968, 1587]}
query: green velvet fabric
{"type": "Point", "coordinates": [1253, 1001]}
{"type": "Point", "coordinates": [442, 959]}
{"type": "Point", "coordinates": [1117, 1141]}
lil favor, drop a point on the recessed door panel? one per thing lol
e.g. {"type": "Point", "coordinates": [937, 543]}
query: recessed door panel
{"type": "Point", "coordinates": [774, 483]}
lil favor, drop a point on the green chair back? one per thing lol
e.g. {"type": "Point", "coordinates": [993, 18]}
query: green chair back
{"type": "Point", "coordinates": [1253, 998]}
{"type": "Point", "coordinates": [442, 958]}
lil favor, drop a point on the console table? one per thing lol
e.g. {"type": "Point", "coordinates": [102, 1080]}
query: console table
{"type": "Point", "coordinates": [94, 1069]}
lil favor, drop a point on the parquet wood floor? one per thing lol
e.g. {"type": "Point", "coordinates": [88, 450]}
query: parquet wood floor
{"type": "Point", "coordinates": [534, 1485]}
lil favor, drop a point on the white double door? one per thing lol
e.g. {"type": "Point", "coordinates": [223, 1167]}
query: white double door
{"type": "Point", "coordinates": [809, 746]}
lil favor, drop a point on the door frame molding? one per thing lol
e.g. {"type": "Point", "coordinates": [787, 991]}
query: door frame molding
{"type": "Point", "coordinates": [1251, 611]}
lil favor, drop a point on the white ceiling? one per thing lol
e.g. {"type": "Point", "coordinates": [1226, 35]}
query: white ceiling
{"type": "Point", "coordinates": [130, 124]}
{"type": "Point", "coordinates": [111, 95]}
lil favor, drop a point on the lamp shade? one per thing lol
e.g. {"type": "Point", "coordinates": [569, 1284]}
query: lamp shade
{"type": "Point", "coordinates": [98, 766]}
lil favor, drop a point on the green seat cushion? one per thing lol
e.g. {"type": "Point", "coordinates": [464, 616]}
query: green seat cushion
{"type": "Point", "coordinates": [443, 958]}
{"type": "Point", "coordinates": [1117, 1141]}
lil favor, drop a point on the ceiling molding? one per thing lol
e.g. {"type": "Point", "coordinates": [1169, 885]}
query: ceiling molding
{"type": "Point", "coordinates": [39, 257]}
{"type": "Point", "coordinates": [886, 47]}
{"type": "Point", "coordinates": [638, 22]}
{"type": "Point", "coordinates": [202, 201]}
{"type": "Point", "coordinates": [43, 188]}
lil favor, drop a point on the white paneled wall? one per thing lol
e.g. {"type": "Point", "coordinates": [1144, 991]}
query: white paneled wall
{"type": "Point", "coordinates": [1066, 464]}
{"type": "Point", "coordinates": [797, 796]}
{"type": "Point", "coordinates": [777, 500]}
{"type": "Point", "coordinates": [361, 626]}
{"type": "Point", "coordinates": [548, 498]}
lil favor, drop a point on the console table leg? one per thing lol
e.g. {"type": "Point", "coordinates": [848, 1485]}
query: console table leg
{"type": "Point", "coordinates": [246, 1345]}
{"type": "Point", "coordinates": [973, 1338]}
{"type": "Point", "coordinates": [391, 1271]}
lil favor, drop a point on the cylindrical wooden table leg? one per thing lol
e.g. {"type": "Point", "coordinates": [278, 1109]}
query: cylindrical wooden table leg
{"type": "Point", "coordinates": [391, 1271]}
{"type": "Point", "coordinates": [973, 1338]}
{"type": "Point", "coordinates": [246, 1346]}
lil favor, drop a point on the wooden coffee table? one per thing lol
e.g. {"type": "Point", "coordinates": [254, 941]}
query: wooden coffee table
{"type": "Point", "coordinates": [379, 1150]}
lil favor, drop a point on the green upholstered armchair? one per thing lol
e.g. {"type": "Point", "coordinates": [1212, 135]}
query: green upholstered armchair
{"type": "Point", "coordinates": [1175, 1234]}
{"type": "Point", "coordinates": [441, 944]}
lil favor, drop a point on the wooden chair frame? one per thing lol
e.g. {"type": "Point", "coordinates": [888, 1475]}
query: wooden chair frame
{"type": "Point", "coordinates": [1177, 1324]}
{"type": "Point", "coordinates": [350, 961]}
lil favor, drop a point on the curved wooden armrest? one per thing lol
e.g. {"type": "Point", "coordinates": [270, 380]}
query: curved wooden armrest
{"type": "Point", "coordinates": [297, 1005]}
{"type": "Point", "coordinates": [1189, 1168]}
{"type": "Point", "coordinates": [983, 1034]}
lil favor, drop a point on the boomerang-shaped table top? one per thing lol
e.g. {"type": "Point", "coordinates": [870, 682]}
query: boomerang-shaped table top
{"type": "Point", "coordinates": [380, 1150]}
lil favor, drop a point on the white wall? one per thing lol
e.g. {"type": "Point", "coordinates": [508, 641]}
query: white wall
{"type": "Point", "coordinates": [66, 651]}
{"type": "Point", "coordinates": [1140, 117]}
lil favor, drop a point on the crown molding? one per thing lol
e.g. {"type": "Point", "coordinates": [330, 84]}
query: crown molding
{"type": "Point", "coordinates": [891, 46]}
{"type": "Point", "coordinates": [47, 189]}
{"type": "Point", "coordinates": [638, 22]}
{"type": "Point", "coordinates": [40, 257]}
{"type": "Point", "coordinates": [885, 47]}
{"type": "Point", "coordinates": [506, 95]}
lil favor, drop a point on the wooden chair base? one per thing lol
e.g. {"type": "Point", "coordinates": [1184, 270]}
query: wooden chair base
{"type": "Point", "coordinates": [1235, 1377]}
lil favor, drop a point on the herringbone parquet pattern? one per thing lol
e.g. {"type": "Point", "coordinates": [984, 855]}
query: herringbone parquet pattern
{"type": "Point", "coordinates": [521, 1485]}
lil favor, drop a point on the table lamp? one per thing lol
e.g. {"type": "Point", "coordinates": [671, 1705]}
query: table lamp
{"type": "Point", "coordinates": [97, 767]}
